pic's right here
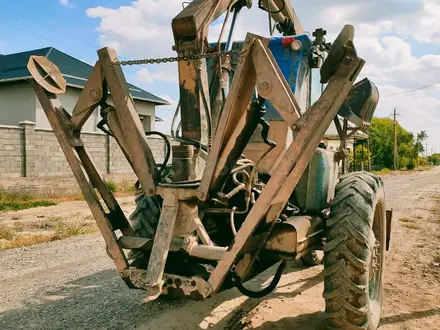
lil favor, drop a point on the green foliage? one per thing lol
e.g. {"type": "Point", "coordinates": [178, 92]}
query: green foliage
{"type": "Point", "coordinates": [361, 153]}
{"type": "Point", "coordinates": [382, 145]}
{"type": "Point", "coordinates": [422, 161]}
{"type": "Point", "coordinates": [434, 159]}
{"type": "Point", "coordinates": [411, 165]}
{"type": "Point", "coordinates": [112, 185]}
{"type": "Point", "coordinates": [16, 201]}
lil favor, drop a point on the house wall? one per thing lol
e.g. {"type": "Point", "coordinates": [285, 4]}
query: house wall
{"type": "Point", "coordinates": [27, 151]}
{"type": "Point", "coordinates": [146, 111]}
{"type": "Point", "coordinates": [333, 144]}
{"type": "Point", "coordinates": [17, 102]}
{"type": "Point", "coordinates": [69, 100]}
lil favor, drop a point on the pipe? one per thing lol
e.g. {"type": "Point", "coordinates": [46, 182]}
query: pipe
{"type": "Point", "coordinates": [208, 252]}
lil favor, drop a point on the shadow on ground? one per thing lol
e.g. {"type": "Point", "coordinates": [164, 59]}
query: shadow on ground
{"type": "Point", "coordinates": [314, 321]}
{"type": "Point", "coordinates": [102, 301]}
{"type": "Point", "coordinates": [98, 301]}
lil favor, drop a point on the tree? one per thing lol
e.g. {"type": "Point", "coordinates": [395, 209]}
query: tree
{"type": "Point", "coordinates": [382, 143]}
{"type": "Point", "coordinates": [418, 145]}
{"type": "Point", "coordinates": [434, 159]}
{"type": "Point", "coordinates": [360, 153]}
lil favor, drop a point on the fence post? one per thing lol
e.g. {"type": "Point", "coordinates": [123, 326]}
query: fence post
{"type": "Point", "coordinates": [27, 146]}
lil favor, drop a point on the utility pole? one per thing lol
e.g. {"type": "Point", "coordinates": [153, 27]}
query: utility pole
{"type": "Point", "coordinates": [395, 141]}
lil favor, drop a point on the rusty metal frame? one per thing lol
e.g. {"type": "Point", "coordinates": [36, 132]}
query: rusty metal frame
{"type": "Point", "coordinates": [87, 176]}
{"type": "Point", "coordinates": [256, 67]}
{"type": "Point", "coordinates": [308, 131]}
{"type": "Point", "coordinates": [131, 127]}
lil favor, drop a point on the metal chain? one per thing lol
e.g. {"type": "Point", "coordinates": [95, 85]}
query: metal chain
{"type": "Point", "coordinates": [174, 59]}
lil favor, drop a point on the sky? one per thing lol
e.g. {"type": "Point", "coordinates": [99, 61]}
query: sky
{"type": "Point", "coordinates": [399, 39]}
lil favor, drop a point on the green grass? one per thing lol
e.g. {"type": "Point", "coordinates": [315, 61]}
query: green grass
{"type": "Point", "coordinates": [16, 201]}
{"type": "Point", "coordinates": [22, 205]}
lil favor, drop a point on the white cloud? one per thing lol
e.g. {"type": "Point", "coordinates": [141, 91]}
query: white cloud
{"type": "Point", "coordinates": [166, 97]}
{"type": "Point", "coordinates": [385, 31]}
{"type": "Point", "coordinates": [66, 3]}
{"type": "Point", "coordinates": [144, 75]}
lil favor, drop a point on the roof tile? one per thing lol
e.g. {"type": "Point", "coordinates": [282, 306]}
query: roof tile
{"type": "Point", "coordinates": [76, 72]}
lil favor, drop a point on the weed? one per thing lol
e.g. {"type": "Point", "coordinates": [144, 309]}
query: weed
{"type": "Point", "coordinates": [405, 219]}
{"type": "Point", "coordinates": [126, 187]}
{"type": "Point", "coordinates": [54, 218]}
{"type": "Point", "coordinates": [18, 226]}
{"type": "Point", "coordinates": [15, 201]}
{"type": "Point", "coordinates": [22, 241]}
{"type": "Point", "coordinates": [112, 185]}
{"type": "Point", "coordinates": [22, 205]}
{"type": "Point", "coordinates": [382, 171]}
{"type": "Point", "coordinates": [61, 231]}
{"type": "Point", "coordinates": [412, 225]}
{"type": "Point", "coordinates": [6, 233]}
{"type": "Point", "coordinates": [437, 258]}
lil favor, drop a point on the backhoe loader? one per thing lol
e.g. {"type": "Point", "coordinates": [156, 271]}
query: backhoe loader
{"type": "Point", "coordinates": [247, 183]}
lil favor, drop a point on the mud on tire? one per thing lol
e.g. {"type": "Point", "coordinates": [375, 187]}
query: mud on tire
{"type": "Point", "coordinates": [355, 253]}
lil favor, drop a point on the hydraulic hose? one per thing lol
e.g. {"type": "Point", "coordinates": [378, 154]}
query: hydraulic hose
{"type": "Point", "coordinates": [268, 289]}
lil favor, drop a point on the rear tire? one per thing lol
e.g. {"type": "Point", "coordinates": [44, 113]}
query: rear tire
{"type": "Point", "coordinates": [355, 253]}
{"type": "Point", "coordinates": [145, 217]}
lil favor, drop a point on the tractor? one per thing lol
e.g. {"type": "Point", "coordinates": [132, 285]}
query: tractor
{"type": "Point", "coordinates": [247, 183]}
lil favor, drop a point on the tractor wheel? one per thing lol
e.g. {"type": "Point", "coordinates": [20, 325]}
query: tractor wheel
{"type": "Point", "coordinates": [144, 220]}
{"type": "Point", "coordinates": [313, 258]}
{"type": "Point", "coordinates": [355, 253]}
{"type": "Point", "coordinates": [145, 217]}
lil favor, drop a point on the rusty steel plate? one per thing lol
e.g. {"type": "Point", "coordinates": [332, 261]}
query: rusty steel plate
{"type": "Point", "coordinates": [46, 74]}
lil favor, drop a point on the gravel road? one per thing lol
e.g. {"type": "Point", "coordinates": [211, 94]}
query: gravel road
{"type": "Point", "coordinates": [73, 284]}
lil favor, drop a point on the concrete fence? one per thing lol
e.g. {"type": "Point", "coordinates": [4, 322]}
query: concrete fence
{"type": "Point", "coordinates": [27, 151]}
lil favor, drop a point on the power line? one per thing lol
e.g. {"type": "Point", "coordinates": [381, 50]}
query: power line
{"type": "Point", "coordinates": [32, 34]}
{"type": "Point", "coordinates": [49, 27]}
{"type": "Point", "coordinates": [413, 90]}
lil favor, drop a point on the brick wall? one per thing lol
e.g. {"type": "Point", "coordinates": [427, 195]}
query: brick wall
{"type": "Point", "coordinates": [26, 151]}
{"type": "Point", "coordinates": [11, 151]}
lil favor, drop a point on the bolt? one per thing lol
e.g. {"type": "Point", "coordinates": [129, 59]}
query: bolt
{"type": "Point", "coordinates": [295, 127]}
{"type": "Point", "coordinates": [263, 87]}
{"type": "Point", "coordinates": [94, 93]}
{"type": "Point", "coordinates": [347, 60]}
{"type": "Point", "coordinates": [200, 195]}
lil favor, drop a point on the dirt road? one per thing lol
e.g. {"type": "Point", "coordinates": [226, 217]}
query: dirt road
{"type": "Point", "coordinates": [72, 284]}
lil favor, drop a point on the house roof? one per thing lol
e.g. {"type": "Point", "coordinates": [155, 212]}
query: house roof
{"type": "Point", "coordinates": [13, 67]}
{"type": "Point", "coordinates": [332, 132]}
